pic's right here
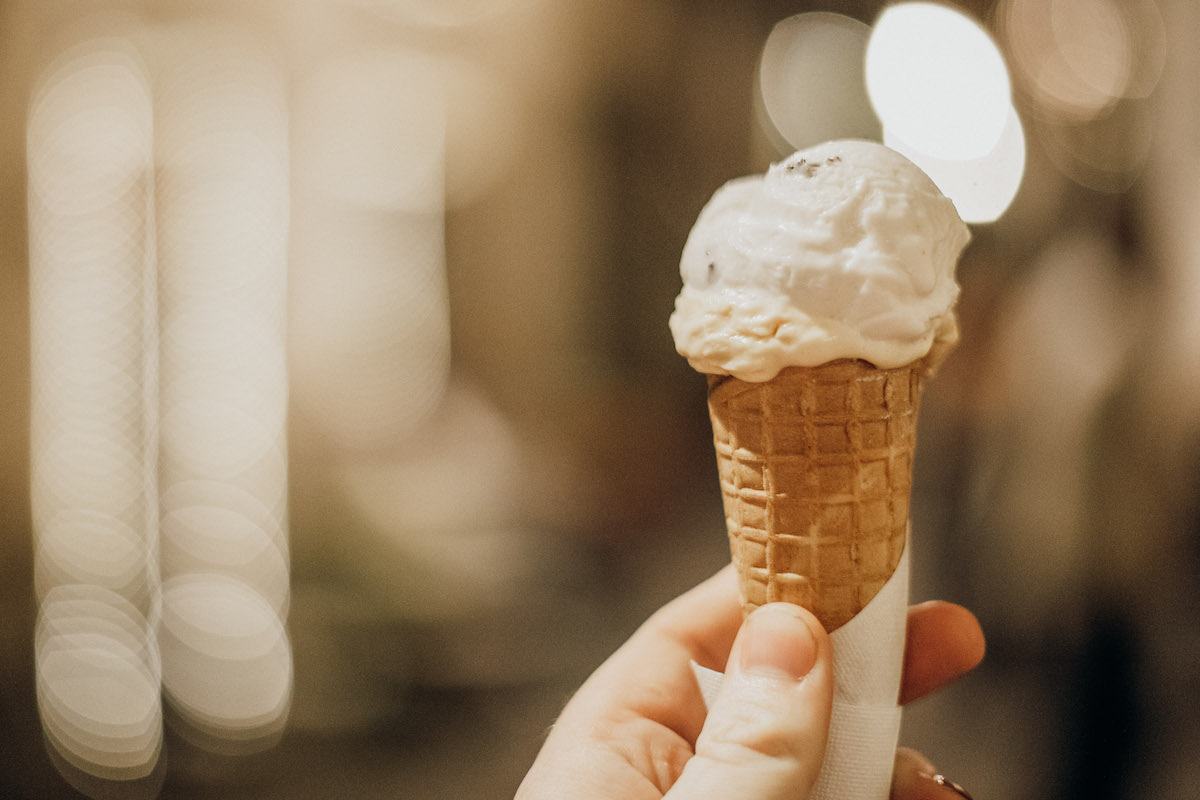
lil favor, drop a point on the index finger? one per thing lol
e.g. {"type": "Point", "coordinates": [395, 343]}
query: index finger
{"type": "Point", "coordinates": [703, 621]}
{"type": "Point", "coordinates": [650, 675]}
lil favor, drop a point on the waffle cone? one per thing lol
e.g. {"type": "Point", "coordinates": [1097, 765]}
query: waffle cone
{"type": "Point", "coordinates": [816, 473]}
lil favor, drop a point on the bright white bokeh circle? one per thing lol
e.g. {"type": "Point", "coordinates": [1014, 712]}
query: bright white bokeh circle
{"type": "Point", "coordinates": [981, 188]}
{"type": "Point", "coordinates": [938, 81]}
{"type": "Point", "coordinates": [810, 80]}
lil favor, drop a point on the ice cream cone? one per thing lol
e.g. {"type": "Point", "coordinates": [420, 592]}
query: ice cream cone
{"type": "Point", "coordinates": [816, 473]}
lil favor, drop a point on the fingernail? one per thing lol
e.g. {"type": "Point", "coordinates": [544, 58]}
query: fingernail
{"type": "Point", "coordinates": [942, 780]}
{"type": "Point", "coordinates": [777, 641]}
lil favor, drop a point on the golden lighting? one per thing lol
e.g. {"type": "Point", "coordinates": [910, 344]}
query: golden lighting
{"type": "Point", "coordinates": [98, 679]}
{"type": "Point", "coordinates": [89, 154]}
{"type": "Point", "coordinates": [440, 14]}
{"type": "Point", "coordinates": [158, 195]}
{"type": "Point", "coordinates": [227, 662]}
{"type": "Point", "coordinates": [223, 210]}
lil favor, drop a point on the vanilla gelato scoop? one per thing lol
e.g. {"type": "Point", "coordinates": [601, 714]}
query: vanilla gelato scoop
{"type": "Point", "coordinates": [844, 250]}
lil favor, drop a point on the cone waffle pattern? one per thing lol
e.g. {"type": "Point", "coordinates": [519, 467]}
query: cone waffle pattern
{"type": "Point", "coordinates": [816, 473]}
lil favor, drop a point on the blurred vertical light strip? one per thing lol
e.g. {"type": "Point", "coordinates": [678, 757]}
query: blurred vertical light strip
{"type": "Point", "coordinates": [941, 89]}
{"type": "Point", "coordinates": [89, 155]}
{"type": "Point", "coordinates": [222, 164]}
{"type": "Point", "coordinates": [371, 330]}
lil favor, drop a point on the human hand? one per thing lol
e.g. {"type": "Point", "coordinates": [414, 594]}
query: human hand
{"type": "Point", "coordinates": [638, 729]}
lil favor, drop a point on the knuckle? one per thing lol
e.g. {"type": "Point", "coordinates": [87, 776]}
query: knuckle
{"type": "Point", "coordinates": [753, 726]}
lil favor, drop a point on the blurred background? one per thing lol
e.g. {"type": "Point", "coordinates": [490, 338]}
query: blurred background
{"type": "Point", "coordinates": [336, 372]}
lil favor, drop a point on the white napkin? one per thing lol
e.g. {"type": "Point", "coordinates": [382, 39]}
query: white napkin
{"type": "Point", "coordinates": [868, 656]}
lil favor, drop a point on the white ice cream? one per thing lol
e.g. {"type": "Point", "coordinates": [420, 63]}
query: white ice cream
{"type": "Point", "coordinates": [844, 250]}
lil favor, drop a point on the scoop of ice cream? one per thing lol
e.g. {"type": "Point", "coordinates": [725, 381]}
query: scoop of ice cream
{"type": "Point", "coordinates": [844, 250]}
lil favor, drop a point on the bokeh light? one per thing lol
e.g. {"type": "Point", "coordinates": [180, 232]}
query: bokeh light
{"type": "Point", "coordinates": [811, 86]}
{"type": "Point", "coordinates": [223, 162]}
{"type": "Point", "coordinates": [159, 215]}
{"type": "Point", "coordinates": [1085, 69]}
{"type": "Point", "coordinates": [371, 339]}
{"type": "Point", "coordinates": [941, 88]}
{"type": "Point", "coordinates": [89, 147]}
{"type": "Point", "coordinates": [84, 546]}
{"type": "Point", "coordinates": [440, 14]}
{"type": "Point", "coordinates": [1076, 58]}
{"type": "Point", "coordinates": [98, 681]}
{"type": "Point", "coordinates": [937, 80]}
{"type": "Point", "coordinates": [227, 663]}
{"type": "Point", "coordinates": [89, 150]}
{"type": "Point", "coordinates": [388, 159]}
{"type": "Point", "coordinates": [982, 188]}
{"type": "Point", "coordinates": [1105, 154]}
{"type": "Point", "coordinates": [925, 79]}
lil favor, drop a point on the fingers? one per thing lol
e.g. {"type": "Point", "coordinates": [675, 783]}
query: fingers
{"type": "Point", "coordinates": [944, 642]}
{"type": "Point", "coordinates": [765, 734]}
{"type": "Point", "coordinates": [914, 778]}
{"type": "Point", "coordinates": [649, 677]}
{"type": "Point", "coordinates": [704, 621]}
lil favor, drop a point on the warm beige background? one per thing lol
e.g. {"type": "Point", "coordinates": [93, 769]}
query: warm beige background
{"type": "Point", "coordinates": [451, 585]}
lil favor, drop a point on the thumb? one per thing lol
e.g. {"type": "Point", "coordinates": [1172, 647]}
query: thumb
{"type": "Point", "coordinates": [764, 738]}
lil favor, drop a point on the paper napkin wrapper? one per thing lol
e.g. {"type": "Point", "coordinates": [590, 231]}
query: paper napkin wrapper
{"type": "Point", "coordinates": [868, 657]}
